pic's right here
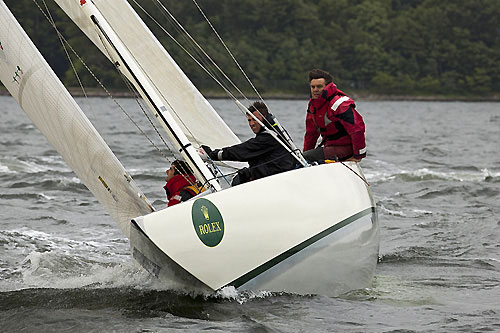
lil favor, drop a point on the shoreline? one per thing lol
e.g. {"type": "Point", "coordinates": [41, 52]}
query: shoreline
{"type": "Point", "coordinates": [94, 92]}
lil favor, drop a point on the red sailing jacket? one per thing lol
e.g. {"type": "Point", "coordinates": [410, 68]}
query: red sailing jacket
{"type": "Point", "coordinates": [178, 184]}
{"type": "Point", "coordinates": [334, 117]}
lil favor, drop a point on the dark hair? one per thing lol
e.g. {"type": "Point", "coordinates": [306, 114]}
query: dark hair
{"type": "Point", "coordinates": [320, 74]}
{"type": "Point", "coordinates": [181, 168]}
{"type": "Point", "coordinates": [259, 106]}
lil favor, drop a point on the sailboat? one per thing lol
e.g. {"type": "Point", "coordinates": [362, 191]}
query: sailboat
{"type": "Point", "coordinates": [260, 235]}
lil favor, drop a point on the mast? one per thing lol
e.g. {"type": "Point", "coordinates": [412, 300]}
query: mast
{"type": "Point", "coordinates": [148, 93]}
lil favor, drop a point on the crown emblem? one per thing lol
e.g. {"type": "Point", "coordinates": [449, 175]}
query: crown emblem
{"type": "Point", "coordinates": [204, 210]}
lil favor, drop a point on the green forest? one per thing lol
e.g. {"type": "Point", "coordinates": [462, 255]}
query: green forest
{"type": "Point", "coordinates": [385, 47]}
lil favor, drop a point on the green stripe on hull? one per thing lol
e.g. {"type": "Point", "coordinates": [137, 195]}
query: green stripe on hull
{"type": "Point", "coordinates": [285, 255]}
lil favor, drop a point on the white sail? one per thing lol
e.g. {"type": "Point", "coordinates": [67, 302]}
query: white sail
{"type": "Point", "coordinates": [36, 88]}
{"type": "Point", "coordinates": [196, 117]}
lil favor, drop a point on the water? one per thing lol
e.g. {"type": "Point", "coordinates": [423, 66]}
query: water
{"type": "Point", "coordinates": [434, 171]}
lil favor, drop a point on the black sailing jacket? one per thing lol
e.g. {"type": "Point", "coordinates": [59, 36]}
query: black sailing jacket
{"type": "Point", "coordinates": [265, 157]}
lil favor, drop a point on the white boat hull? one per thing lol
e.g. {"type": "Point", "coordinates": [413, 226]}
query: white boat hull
{"type": "Point", "coordinates": [311, 230]}
{"type": "Point", "coordinates": [341, 261]}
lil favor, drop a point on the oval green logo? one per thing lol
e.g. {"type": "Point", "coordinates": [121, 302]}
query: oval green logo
{"type": "Point", "coordinates": [208, 222]}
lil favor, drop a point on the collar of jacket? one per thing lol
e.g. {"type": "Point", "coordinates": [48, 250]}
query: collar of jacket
{"type": "Point", "coordinates": [327, 95]}
{"type": "Point", "coordinates": [262, 130]}
{"type": "Point", "coordinates": [178, 182]}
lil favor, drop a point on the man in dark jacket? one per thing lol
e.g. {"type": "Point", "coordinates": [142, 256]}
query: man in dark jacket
{"type": "Point", "coordinates": [264, 154]}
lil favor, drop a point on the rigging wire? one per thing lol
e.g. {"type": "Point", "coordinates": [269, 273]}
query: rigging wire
{"type": "Point", "coordinates": [281, 132]}
{"type": "Point", "coordinates": [65, 43]}
{"type": "Point", "coordinates": [228, 51]}
{"type": "Point", "coordinates": [242, 108]}
{"type": "Point", "coordinates": [189, 44]}
{"type": "Point", "coordinates": [128, 84]}
{"type": "Point", "coordinates": [137, 98]}
{"type": "Point", "coordinates": [294, 151]}
{"type": "Point", "coordinates": [190, 54]}
{"type": "Point", "coordinates": [195, 43]}
{"type": "Point", "coordinates": [186, 51]}
{"type": "Point", "coordinates": [53, 23]}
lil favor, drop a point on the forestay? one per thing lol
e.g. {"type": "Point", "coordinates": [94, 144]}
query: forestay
{"type": "Point", "coordinates": [197, 118]}
{"type": "Point", "coordinates": [36, 88]}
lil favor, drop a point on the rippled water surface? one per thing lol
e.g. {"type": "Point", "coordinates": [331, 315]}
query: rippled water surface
{"type": "Point", "coordinates": [434, 170]}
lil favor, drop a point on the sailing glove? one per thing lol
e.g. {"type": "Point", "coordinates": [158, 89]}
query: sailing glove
{"type": "Point", "coordinates": [213, 154]}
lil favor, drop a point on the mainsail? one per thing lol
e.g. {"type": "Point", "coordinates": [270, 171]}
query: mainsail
{"type": "Point", "coordinates": [196, 117]}
{"type": "Point", "coordinates": [36, 88]}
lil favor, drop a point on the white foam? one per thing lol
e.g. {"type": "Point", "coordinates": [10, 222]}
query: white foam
{"type": "Point", "coordinates": [487, 173]}
{"type": "Point", "coordinates": [231, 293]}
{"type": "Point", "coordinates": [31, 167]}
{"type": "Point", "coordinates": [385, 171]}
{"type": "Point", "coordinates": [51, 270]}
{"type": "Point", "coordinates": [422, 212]}
{"type": "Point", "coordinates": [43, 164]}
{"type": "Point", "coordinates": [5, 169]}
{"type": "Point", "coordinates": [391, 212]}
{"type": "Point", "coordinates": [47, 197]}
{"type": "Point", "coordinates": [382, 171]}
{"type": "Point", "coordinates": [61, 262]}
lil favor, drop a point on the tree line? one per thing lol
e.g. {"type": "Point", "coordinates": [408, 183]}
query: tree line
{"type": "Point", "coordinates": [390, 47]}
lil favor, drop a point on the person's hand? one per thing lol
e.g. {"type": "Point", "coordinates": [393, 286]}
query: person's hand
{"type": "Point", "coordinates": [207, 149]}
{"type": "Point", "coordinates": [352, 159]}
{"type": "Point", "coordinates": [211, 153]}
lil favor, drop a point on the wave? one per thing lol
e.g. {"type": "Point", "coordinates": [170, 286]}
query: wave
{"type": "Point", "coordinates": [26, 196]}
{"type": "Point", "coordinates": [131, 302]}
{"type": "Point", "coordinates": [49, 261]}
{"type": "Point", "coordinates": [4, 169]}
{"type": "Point", "coordinates": [434, 257]}
{"type": "Point", "coordinates": [153, 177]}
{"type": "Point", "coordinates": [407, 213]}
{"type": "Point", "coordinates": [39, 164]}
{"type": "Point", "coordinates": [71, 184]}
{"type": "Point", "coordinates": [463, 191]}
{"type": "Point", "coordinates": [386, 172]}
{"type": "Point", "coordinates": [495, 118]}
{"type": "Point", "coordinates": [67, 270]}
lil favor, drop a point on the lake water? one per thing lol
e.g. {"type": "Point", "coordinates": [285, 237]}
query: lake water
{"type": "Point", "coordinates": [434, 170]}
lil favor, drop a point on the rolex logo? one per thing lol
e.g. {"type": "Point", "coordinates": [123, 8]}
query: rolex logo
{"type": "Point", "coordinates": [204, 210]}
{"type": "Point", "coordinates": [207, 222]}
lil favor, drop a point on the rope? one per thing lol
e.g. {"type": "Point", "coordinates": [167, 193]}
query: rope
{"type": "Point", "coordinates": [362, 178]}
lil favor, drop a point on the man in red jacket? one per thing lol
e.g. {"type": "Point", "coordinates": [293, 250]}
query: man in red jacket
{"type": "Point", "coordinates": [332, 114]}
